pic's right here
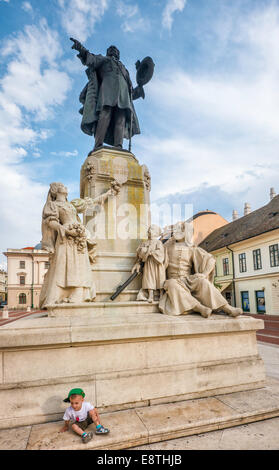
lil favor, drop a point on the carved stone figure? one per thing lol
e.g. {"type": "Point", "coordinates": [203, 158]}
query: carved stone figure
{"type": "Point", "coordinates": [108, 111]}
{"type": "Point", "coordinates": [151, 252]}
{"type": "Point", "coordinates": [146, 178]}
{"type": "Point", "coordinates": [71, 248]}
{"type": "Point", "coordinates": [189, 286]}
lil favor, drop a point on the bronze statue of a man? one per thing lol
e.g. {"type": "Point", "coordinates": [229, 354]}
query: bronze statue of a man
{"type": "Point", "coordinates": [108, 112]}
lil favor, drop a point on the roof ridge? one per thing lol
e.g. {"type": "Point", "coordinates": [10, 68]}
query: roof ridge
{"type": "Point", "coordinates": [247, 226]}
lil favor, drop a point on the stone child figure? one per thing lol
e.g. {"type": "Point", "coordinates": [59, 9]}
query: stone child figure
{"type": "Point", "coordinates": [151, 252]}
{"type": "Point", "coordinates": [189, 286]}
{"type": "Point", "coordinates": [108, 111]}
{"type": "Point", "coordinates": [69, 277]}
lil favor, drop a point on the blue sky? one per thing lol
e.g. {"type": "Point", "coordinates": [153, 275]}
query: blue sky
{"type": "Point", "coordinates": [209, 122]}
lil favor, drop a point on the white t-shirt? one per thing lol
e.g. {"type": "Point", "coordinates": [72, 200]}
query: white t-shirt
{"type": "Point", "coordinates": [81, 415]}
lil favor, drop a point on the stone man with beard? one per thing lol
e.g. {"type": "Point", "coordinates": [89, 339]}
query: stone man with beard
{"type": "Point", "coordinates": [108, 111]}
{"type": "Point", "coordinates": [189, 286]}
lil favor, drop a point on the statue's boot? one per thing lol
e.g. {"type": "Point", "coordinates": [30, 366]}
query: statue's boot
{"type": "Point", "coordinates": [102, 126]}
{"type": "Point", "coordinates": [119, 126]}
{"type": "Point", "coordinates": [232, 311]}
{"type": "Point", "coordinates": [204, 311]}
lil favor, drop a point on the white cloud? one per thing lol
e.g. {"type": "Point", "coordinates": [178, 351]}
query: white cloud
{"type": "Point", "coordinates": [80, 16]}
{"type": "Point", "coordinates": [225, 122]}
{"type": "Point", "coordinates": [26, 6]}
{"type": "Point", "coordinates": [234, 168]}
{"type": "Point", "coordinates": [126, 9]}
{"type": "Point", "coordinates": [251, 103]}
{"type": "Point", "coordinates": [171, 7]}
{"type": "Point", "coordinates": [135, 25]}
{"type": "Point", "coordinates": [63, 153]}
{"type": "Point", "coordinates": [33, 80]}
{"type": "Point", "coordinates": [71, 65]}
{"type": "Point", "coordinates": [133, 19]}
{"type": "Point", "coordinates": [31, 87]}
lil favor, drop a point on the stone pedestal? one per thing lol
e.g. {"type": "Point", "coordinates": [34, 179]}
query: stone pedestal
{"type": "Point", "coordinates": [122, 222]}
{"type": "Point", "coordinates": [123, 361]}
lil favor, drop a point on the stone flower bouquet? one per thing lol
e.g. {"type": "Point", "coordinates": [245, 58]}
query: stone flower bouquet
{"type": "Point", "coordinates": [76, 234]}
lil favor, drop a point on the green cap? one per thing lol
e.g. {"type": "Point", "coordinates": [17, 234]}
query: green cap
{"type": "Point", "coordinates": [74, 391]}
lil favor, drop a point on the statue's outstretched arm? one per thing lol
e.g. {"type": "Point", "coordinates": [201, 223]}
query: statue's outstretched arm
{"type": "Point", "coordinates": [78, 46]}
{"type": "Point", "coordinates": [81, 49]}
{"type": "Point", "coordinates": [81, 205]}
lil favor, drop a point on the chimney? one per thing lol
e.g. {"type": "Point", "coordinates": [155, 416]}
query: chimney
{"type": "Point", "coordinates": [272, 193]}
{"type": "Point", "coordinates": [247, 208]}
{"type": "Point", "coordinates": [235, 215]}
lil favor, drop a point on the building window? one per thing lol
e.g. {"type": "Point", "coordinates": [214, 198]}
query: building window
{"type": "Point", "coordinates": [46, 264]}
{"type": "Point", "coordinates": [260, 301]}
{"type": "Point", "coordinates": [22, 298]}
{"type": "Point", "coordinates": [274, 255]}
{"type": "Point", "coordinates": [245, 301]}
{"type": "Point", "coordinates": [22, 280]}
{"type": "Point", "coordinates": [228, 297]}
{"type": "Point", "coordinates": [242, 263]}
{"type": "Point", "coordinates": [257, 259]}
{"type": "Point", "coordinates": [22, 264]}
{"type": "Point", "coordinates": [226, 268]}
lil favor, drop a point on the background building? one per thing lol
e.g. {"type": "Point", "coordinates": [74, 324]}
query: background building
{"type": "Point", "coordinates": [26, 271]}
{"type": "Point", "coordinates": [3, 285]}
{"type": "Point", "coordinates": [203, 223]}
{"type": "Point", "coordinates": [247, 259]}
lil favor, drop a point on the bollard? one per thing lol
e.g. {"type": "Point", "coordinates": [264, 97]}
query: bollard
{"type": "Point", "coordinates": [5, 313]}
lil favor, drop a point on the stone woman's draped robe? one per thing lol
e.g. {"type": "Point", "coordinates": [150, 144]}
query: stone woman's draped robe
{"type": "Point", "coordinates": [69, 277]}
{"type": "Point", "coordinates": [186, 286]}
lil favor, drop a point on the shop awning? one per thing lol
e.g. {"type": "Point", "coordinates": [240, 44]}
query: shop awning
{"type": "Point", "coordinates": [224, 286]}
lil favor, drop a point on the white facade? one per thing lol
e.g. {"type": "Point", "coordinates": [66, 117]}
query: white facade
{"type": "Point", "coordinates": [259, 286]}
{"type": "Point", "coordinates": [26, 271]}
{"type": "Point", "coordinates": [3, 285]}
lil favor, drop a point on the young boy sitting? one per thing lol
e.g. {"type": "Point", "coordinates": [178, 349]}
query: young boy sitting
{"type": "Point", "coordinates": [80, 414]}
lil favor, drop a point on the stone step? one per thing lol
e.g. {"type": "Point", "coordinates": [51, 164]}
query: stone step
{"type": "Point", "coordinates": [271, 325]}
{"type": "Point", "coordinates": [125, 296]}
{"type": "Point", "coordinates": [96, 309]}
{"type": "Point", "coordinates": [264, 317]}
{"type": "Point", "coordinates": [270, 332]}
{"type": "Point", "coordinates": [267, 338]}
{"type": "Point", "coordinates": [156, 423]}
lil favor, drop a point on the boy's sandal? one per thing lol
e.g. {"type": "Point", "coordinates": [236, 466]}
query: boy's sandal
{"type": "Point", "coordinates": [102, 430]}
{"type": "Point", "coordinates": [87, 437]}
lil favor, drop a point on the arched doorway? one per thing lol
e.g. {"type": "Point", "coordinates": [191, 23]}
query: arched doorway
{"type": "Point", "coordinates": [22, 298]}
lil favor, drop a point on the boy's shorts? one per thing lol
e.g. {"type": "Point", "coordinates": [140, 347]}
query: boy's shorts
{"type": "Point", "coordinates": [82, 424]}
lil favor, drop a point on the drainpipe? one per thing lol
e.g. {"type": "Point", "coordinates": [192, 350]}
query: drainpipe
{"type": "Point", "coordinates": [234, 298]}
{"type": "Point", "coordinates": [32, 285]}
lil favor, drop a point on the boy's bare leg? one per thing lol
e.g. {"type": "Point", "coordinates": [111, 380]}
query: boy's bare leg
{"type": "Point", "coordinates": [95, 416]}
{"type": "Point", "coordinates": [77, 429]}
{"type": "Point", "coordinates": [97, 421]}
